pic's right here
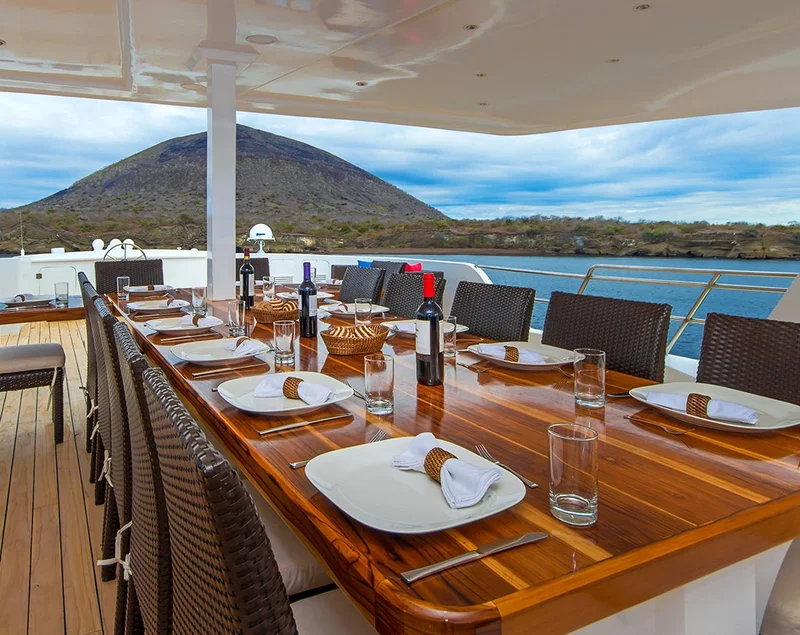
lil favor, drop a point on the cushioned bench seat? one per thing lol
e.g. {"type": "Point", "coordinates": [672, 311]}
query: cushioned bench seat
{"type": "Point", "coordinates": [32, 366]}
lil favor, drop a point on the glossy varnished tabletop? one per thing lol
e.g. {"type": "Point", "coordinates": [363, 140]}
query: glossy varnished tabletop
{"type": "Point", "coordinates": [672, 508]}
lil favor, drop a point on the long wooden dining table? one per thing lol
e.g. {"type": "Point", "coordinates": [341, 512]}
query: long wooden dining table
{"type": "Point", "coordinates": [671, 508]}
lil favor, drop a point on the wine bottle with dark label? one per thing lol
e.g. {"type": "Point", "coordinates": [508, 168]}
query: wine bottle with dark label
{"type": "Point", "coordinates": [308, 303]}
{"type": "Point", "coordinates": [430, 336]}
{"type": "Point", "coordinates": [247, 281]}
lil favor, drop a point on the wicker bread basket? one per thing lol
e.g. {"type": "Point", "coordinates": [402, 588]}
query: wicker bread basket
{"type": "Point", "coordinates": [275, 310]}
{"type": "Point", "coordinates": [355, 340]}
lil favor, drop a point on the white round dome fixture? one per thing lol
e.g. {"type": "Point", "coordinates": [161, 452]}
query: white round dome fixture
{"type": "Point", "coordinates": [259, 234]}
{"type": "Point", "coordinates": [98, 244]}
{"type": "Point", "coordinates": [114, 242]}
{"type": "Point", "coordinates": [128, 241]}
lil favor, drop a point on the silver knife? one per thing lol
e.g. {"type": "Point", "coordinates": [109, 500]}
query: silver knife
{"type": "Point", "coordinates": [300, 424]}
{"type": "Point", "coordinates": [480, 552]}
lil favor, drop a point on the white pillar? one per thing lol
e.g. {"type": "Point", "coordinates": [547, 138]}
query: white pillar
{"type": "Point", "coordinates": [221, 180]}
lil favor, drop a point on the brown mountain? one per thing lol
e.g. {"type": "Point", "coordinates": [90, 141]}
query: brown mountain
{"type": "Point", "coordinates": [158, 196]}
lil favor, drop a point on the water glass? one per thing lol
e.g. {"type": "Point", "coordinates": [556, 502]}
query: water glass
{"type": "Point", "coordinates": [449, 335]}
{"type": "Point", "coordinates": [268, 287]}
{"type": "Point", "coordinates": [573, 473]}
{"type": "Point", "coordinates": [379, 382]}
{"type": "Point", "coordinates": [237, 324]}
{"type": "Point", "coordinates": [122, 292]}
{"type": "Point", "coordinates": [62, 295]}
{"type": "Point", "coordinates": [363, 311]}
{"type": "Point", "coordinates": [199, 300]}
{"type": "Point", "coordinates": [590, 377]}
{"type": "Point", "coordinates": [283, 341]}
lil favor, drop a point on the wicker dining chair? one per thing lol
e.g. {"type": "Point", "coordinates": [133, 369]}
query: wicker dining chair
{"type": "Point", "coordinates": [338, 271]}
{"type": "Point", "coordinates": [261, 266]}
{"type": "Point", "coordinates": [149, 602]}
{"type": "Point", "coordinates": [494, 311]}
{"type": "Point", "coordinates": [141, 272]}
{"type": "Point", "coordinates": [389, 267]}
{"type": "Point", "coordinates": [88, 293]}
{"type": "Point", "coordinates": [633, 334]}
{"type": "Point", "coordinates": [404, 294]}
{"type": "Point", "coordinates": [751, 354]}
{"type": "Point", "coordinates": [362, 282]}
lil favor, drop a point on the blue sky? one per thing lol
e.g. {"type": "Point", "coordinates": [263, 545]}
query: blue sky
{"type": "Point", "coordinates": [723, 168]}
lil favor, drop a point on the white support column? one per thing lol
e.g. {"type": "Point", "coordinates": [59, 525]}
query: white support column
{"type": "Point", "coordinates": [221, 180]}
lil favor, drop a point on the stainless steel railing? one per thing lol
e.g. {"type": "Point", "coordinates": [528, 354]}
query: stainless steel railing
{"type": "Point", "coordinates": [705, 286]}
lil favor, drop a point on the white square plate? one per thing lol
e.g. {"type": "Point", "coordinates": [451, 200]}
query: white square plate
{"type": "Point", "coordinates": [173, 326]}
{"type": "Point", "coordinates": [211, 353]}
{"type": "Point", "coordinates": [392, 324]}
{"type": "Point", "coordinates": [363, 484]}
{"type": "Point", "coordinates": [294, 295]}
{"type": "Point", "coordinates": [156, 306]}
{"type": "Point", "coordinates": [349, 308]}
{"type": "Point", "coordinates": [772, 414]}
{"type": "Point", "coordinates": [34, 301]}
{"type": "Point", "coordinates": [555, 356]}
{"type": "Point", "coordinates": [239, 394]}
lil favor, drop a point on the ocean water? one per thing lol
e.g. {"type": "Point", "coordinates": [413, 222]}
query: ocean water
{"type": "Point", "coordinates": [745, 303]}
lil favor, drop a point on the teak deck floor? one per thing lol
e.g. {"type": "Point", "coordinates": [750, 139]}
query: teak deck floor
{"type": "Point", "coordinates": [49, 525]}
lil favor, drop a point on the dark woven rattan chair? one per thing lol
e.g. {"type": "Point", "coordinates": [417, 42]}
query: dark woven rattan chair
{"type": "Point", "coordinates": [261, 265]}
{"type": "Point", "coordinates": [88, 293]}
{"type": "Point", "coordinates": [141, 272]}
{"type": "Point", "coordinates": [494, 311]}
{"type": "Point", "coordinates": [231, 583]}
{"type": "Point", "coordinates": [149, 605]}
{"type": "Point", "coordinates": [632, 334]}
{"type": "Point", "coordinates": [362, 282]}
{"type": "Point", "coordinates": [338, 271]}
{"type": "Point", "coordinates": [118, 496]}
{"type": "Point", "coordinates": [404, 294]}
{"type": "Point", "coordinates": [752, 354]}
{"type": "Point", "coordinates": [389, 267]}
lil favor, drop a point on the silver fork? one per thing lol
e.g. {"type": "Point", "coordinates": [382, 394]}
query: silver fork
{"type": "Point", "coordinates": [675, 433]}
{"type": "Point", "coordinates": [380, 435]}
{"type": "Point", "coordinates": [486, 455]}
{"type": "Point", "coordinates": [355, 392]}
{"type": "Point", "coordinates": [472, 367]}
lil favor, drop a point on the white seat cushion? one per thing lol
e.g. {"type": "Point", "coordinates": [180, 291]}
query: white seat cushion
{"type": "Point", "coordinates": [330, 613]}
{"type": "Point", "coordinates": [19, 359]}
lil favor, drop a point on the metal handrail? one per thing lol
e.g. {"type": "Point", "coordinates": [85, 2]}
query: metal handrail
{"type": "Point", "coordinates": [685, 320]}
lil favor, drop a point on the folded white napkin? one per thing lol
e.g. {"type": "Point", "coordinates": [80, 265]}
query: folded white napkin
{"type": "Point", "coordinates": [336, 308]}
{"type": "Point", "coordinates": [322, 314]}
{"type": "Point", "coordinates": [716, 409]}
{"type": "Point", "coordinates": [463, 484]}
{"type": "Point", "coordinates": [313, 394]}
{"type": "Point", "coordinates": [498, 351]}
{"type": "Point", "coordinates": [246, 347]}
{"type": "Point", "coordinates": [405, 327]}
{"type": "Point", "coordinates": [22, 297]}
{"type": "Point", "coordinates": [202, 323]}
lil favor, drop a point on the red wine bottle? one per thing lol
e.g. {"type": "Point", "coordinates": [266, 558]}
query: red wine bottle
{"type": "Point", "coordinates": [430, 338]}
{"type": "Point", "coordinates": [308, 303]}
{"type": "Point", "coordinates": [247, 281]}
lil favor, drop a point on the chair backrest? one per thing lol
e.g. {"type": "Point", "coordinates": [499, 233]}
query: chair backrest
{"type": "Point", "coordinates": [494, 311]}
{"type": "Point", "coordinates": [390, 267]}
{"type": "Point", "coordinates": [95, 327]}
{"type": "Point", "coordinates": [362, 282]}
{"type": "Point", "coordinates": [337, 272]}
{"type": "Point", "coordinates": [404, 294]}
{"type": "Point", "coordinates": [149, 539]}
{"type": "Point", "coordinates": [751, 354]}
{"type": "Point", "coordinates": [225, 578]}
{"type": "Point", "coordinates": [140, 272]}
{"type": "Point", "coordinates": [88, 295]}
{"type": "Point", "coordinates": [118, 414]}
{"type": "Point", "coordinates": [633, 334]}
{"type": "Point", "coordinates": [261, 266]}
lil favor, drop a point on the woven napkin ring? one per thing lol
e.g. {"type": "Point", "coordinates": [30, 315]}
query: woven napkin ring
{"type": "Point", "coordinates": [170, 300]}
{"type": "Point", "coordinates": [151, 287]}
{"type": "Point", "coordinates": [434, 461]}
{"type": "Point", "coordinates": [290, 387]}
{"type": "Point", "coordinates": [512, 353]}
{"type": "Point", "coordinates": [240, 340]}
{"type": "Point", "coordinates": [20, 297]}
{"type": "Point", "coordinates": [196, 319]}
{"type": "Point", "coordinates": [697, 405]}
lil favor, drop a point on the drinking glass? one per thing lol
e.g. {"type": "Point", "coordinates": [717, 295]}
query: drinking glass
{"type": "Point", "coordinates": [379, 382]}
{"type": "Point", "coordinates": [449, 336]}
{"type": "Point", "coordinates": [268, 286]}
{"type": "Point", "coordinates": [573, 473]}
{"type": "Point", "coordinates": [237, 325]}
{"type": "Point", "coordinates": [283, 340]}
{"type": "Point", "coordinates": [62, 295]}
{"type": "Point", "coordinates": [362, 311]}
{"type": "Point", "coordinates": [122, 292]}
{"type": "Point", "coordinates": [590, 377]}
{"type": "Point", "coordinates": [199, 300]}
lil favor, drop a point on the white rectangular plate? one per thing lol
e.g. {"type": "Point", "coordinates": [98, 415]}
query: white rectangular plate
{"type": "Point", "coordinates": [349, 308]}
{"type": "Point", "coordinates": [363, 484]}
{"type": "Point", "coordinates": [460, 328]}
{"type": "Point", "coordinates": [156, 306]}
{"type": "Point", "coordinates": [173, 326]}
{"type": "Point", "coordinates": [37, 300]}
{"type": "Point", "coordinates": [239, 394]}
{"type": "Point", "coordinates": [555, 356]}
{"type": "Point", "coordinates": [141, 290]}
{"type": "Point", "coordinates": [210, 353]}
{"type": "Point", "coordinates": [772, 414]}
{"type": "Point", "coordinates": [294, 295]}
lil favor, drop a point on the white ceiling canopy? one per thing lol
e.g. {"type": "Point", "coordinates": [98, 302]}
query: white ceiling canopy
{"type": "Point", "coordinates": [497, 66]}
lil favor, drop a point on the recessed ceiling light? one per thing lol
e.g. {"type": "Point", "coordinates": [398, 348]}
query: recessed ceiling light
{"type": "Point", "coordinates": [480, 74]}
{"type": "Point", "coordinates": [484, 103]}
{"type": "Point", "coordinates": [613, 60]}
{"type": "Point", "coordinates": [361, 83]}
{"type": "Point", "coordinates": [198, 88]}
{"type": "Point", "coordinates": [2, 42]}
{"type": "Point", "coordinates": [261, 39]}
{"type": "Point", "coordinates": [470, 27]}
{"type": "Point", "coordinates": [641, 7]}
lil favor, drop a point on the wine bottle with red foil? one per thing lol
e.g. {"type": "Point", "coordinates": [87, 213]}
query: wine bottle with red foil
{"type": "Point", "coordinates": [247, 281]}
{"type": "Point", "coordinates": [430, 336]}
{"type": "Point", "coordinates": [308, 303]}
